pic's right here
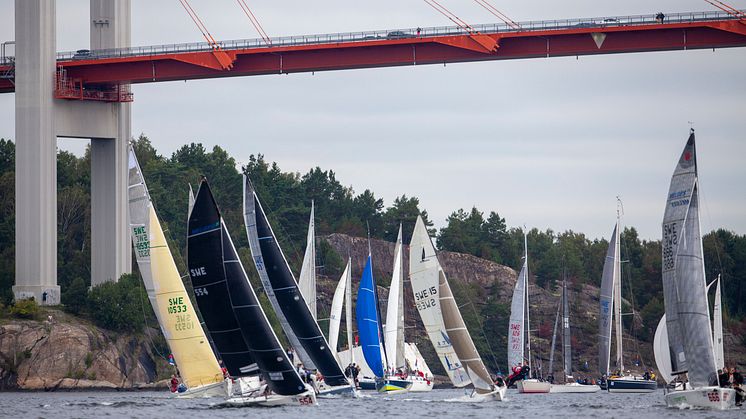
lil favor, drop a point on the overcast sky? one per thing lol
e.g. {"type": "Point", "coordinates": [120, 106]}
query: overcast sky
{"type": "Point", "coordinates": [548, 143]}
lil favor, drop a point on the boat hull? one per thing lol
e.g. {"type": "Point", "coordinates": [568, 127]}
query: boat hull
{"type": "Point", "coordinates": [533, 386]}
{"type": "Point", "coordinates": [420, 384]}
{"type": "Point", "coordinates": [630, 385]}
{"type": "Point", "coordinates": [574, 388]}
{"type": "Point", "coordinates": [347, 391]}
{"type": "Point", "coordinates": [367, 384]}
{"type": "Point", "coordinates": [393, 385]}
{"type": "Point", "coordinates": [496, 396]}
{"type": "Point", "coordinates": [714, 398]}
{"type": "Point", "coordinates": [219, 389]}
{"type": "Point", "coordinates": [307, 398]}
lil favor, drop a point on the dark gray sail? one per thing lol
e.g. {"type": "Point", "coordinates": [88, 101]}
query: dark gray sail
{"type": "Point", "coordinates": [237, 324]}
{"type": "Point", "coordinates": [282, 290]}
{"type": "Point", "coordinates": [684, 285]}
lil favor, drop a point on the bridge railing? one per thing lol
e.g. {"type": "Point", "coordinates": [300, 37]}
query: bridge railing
{"type": "Point", "coordinates": [540, 25]}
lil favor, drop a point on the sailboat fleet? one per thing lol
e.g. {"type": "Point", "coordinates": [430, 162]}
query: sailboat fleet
{"type": "Point", "coordinates": [224, 345]}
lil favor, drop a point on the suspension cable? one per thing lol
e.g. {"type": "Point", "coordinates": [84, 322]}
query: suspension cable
{"type": "Point", "coordinates": [255, 22]}
{"type": "Point", "coordinates": [500, 15]}
{"type": "Point", "coordinates": [200, 25]}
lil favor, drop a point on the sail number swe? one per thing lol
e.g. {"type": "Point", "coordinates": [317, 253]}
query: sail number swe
{"type": "Point", "coordinates": [425, 298]}
{"type": "Point", "coordinates": [176, 305]}
{"type": "Point", "coordinates": [670, 241]}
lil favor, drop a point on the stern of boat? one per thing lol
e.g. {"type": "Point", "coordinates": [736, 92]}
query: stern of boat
{"type": "Point", "coordinates": [713, 398]}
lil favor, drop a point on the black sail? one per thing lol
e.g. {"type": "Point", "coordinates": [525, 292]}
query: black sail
{"type": "Point", "coordinates": [237, 324]}
{"type": "Point", "coordinates": [282, 290]}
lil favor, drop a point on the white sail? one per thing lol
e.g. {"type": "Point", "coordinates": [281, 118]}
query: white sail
{"type": "Point", "coordinates": [395, 311]}
{"type": "Point", "coordinates": [307, 278]}
{"type": "Point", "coordinates": [424, 271]}
{"type": "Point", "coordinates": [348, 310]}
{"type": "Point", "coordinates": [683, 272]}
{"type": "Point", "coordinates": [335, 316]}
{"type": "Point", "coordinates": [717, 328]}
{"type": "Point", "coordinates": [415, 361]}
{"type": "Point", "coordinates": [516, 326]}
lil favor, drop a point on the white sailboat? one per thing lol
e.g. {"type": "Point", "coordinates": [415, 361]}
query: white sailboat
{"type": "Point", "coordinates": [394, 327]}
{"type": "Point", "coordinates": [199, 369]}
{"type": "Point", "coordinates": [610, 301]}
{"type": "Point", "coordinates": [690, 339]}
{"type": "Point", "coordinates": [570, 386]}
{"type": "Point", "coordinates": [443, 321]}
{"type": "Point", "coordinates": [519, 331]}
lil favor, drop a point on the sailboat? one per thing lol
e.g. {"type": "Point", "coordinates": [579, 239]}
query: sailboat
{"type": "Point", "coordinates": [199, 369]}
{"type": "Point", "coordinates": [443, 321]}
{"type": "Point", "coordinates": [242, 335]}
{"type": "Point", "coordinates": [394, 327]}
{"type": "Point", "coordinates": [570, 386]}
{"type": "Point", "coordinates": [519, 310]}
{"type": "Point", "coordinates": [292, 310]}
{"type": "Point", "coordinates": [687, 313]}
{"type": "Point", "coordinates": [610, 301]}
{"type": "Point", "coordinates": [372, 341]}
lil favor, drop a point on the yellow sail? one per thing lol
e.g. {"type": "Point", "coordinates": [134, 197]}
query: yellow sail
{"type": "Point", "coordinates": [179, 322]}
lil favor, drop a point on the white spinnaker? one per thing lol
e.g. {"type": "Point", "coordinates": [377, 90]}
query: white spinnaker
{"type": "Point", "coordinates": [307, 277]}
{"type": "Point", "coordinates": [424, 279]}
{"type": "Point", "coordinates": [660, 350]}
{"type": "Point", "coordinates": [335, 316]}
{"type": "Point", "coordinates": [395, 311]}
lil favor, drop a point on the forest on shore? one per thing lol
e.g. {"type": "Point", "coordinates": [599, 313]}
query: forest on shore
{"type": "Point", "coordinates": [287, 197]}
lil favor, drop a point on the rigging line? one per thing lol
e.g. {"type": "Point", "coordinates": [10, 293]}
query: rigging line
{"type": "Point", "coordinates": [200, 25]}
{"type": "Point", "coordinates": [254, 21]}
{"type": "Point", "coordinates": [481, 328]}
{"type": "Point", "coordinates": [490, 8]}
{"type": "Point", "coordinates": [727, 8]}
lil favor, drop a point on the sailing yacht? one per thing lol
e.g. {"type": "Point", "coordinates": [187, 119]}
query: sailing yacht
{"type": "Point", "coordinates": [283, 292]}
{"type": "Point", "coordinates": [243, 337]}
{"type": "Point", "coordinates": [519, 310]}
{"type": "Point", "coordinates": [443, 321]}
{"type": "Point", "coordinates": [570, 386]}
{"type": "Point", "coordinates": [198, 367]}
{"type": "Point", "coordinates": [610, 301]}
{"type": "Point", "coordinates": [690, 341]}
{"type": "Point", "coordinates": [367, 313]}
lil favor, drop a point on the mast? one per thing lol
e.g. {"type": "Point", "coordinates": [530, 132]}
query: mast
{"type": "Point", "coordinates": [566, 341]}
{"type": "Point", "coordinates": [618, 295]}
{"type": "Point", "coordinates": [525, 279]}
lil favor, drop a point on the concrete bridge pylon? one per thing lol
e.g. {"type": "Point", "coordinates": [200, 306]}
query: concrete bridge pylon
{"type": "Point", "coordinates": [40, 119]}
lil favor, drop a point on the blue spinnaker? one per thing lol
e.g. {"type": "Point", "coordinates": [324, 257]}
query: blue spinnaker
{"type": "Point", "coordinates": [367, 321]}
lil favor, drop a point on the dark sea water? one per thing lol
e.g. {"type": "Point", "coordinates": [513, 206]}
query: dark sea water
{"type": "Point", "coordinates": [435, 404]}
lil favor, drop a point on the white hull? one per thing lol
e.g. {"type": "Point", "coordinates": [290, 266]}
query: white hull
{"type": "Point", "coordinates": [307, 398]}
{"type": "Point", "coordinates": [419, 384]}
{"type": "Point", "coordinates": [346, 391]}
{"type": "Point", "coordinates": [219, 389]}
{"type": "Point", "coordinates": [714, 398]}
{"type": "Point", "coordinates": [533, 386]}
{"type": "Point", "coordinates": [496, 396]}
{"type": "Point", "coordinates": [574, 388]}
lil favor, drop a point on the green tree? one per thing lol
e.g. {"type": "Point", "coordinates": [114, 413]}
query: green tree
{"type": "Point", "coordinates": [120, 306]}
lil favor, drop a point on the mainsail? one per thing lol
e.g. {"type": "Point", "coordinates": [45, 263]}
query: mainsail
{"type": "Point", "coordinates": [335, 316]}
{"type": "Point", "coordinates": [395, 311]}
{"type": "Point", "coordinates": [239, 328]}
{"type": "Point", "coordinates": [424, 271]}
{"type": "Point", "coordinates": [516, 335]}
{"type": "Point", "coordinates": [608, 280]}
{"type": "Point", "coordinates": [166, 292]}
{"type": "Point", "coordinates": [367, 320]}
{"type": "Point", "coordinates": [687, 312]}
{"type": "Point", "coordinates": [307, 277]}
{"type": "Point", "coordinates": [280, 286]}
